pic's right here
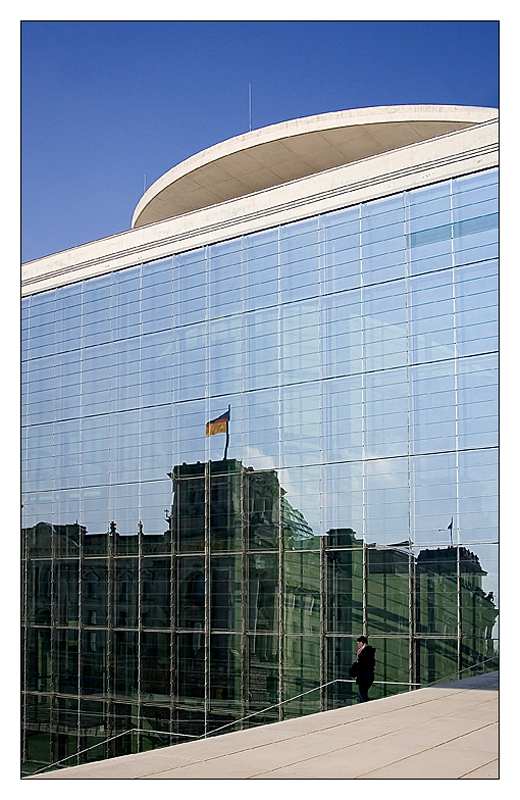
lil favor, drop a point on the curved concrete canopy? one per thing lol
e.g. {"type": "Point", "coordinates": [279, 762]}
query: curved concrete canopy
{"type": "Point", "coordinates": [268, 157]}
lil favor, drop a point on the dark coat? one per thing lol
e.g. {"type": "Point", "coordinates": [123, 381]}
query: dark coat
{"type": "Point", "coordinates": [366, 665]}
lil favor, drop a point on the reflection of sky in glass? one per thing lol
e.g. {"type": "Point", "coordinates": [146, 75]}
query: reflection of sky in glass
{"type": "Point", "coordinates": [357, 351]}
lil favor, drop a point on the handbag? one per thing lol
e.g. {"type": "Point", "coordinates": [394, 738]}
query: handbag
{"type": "Point", "coordinates": [354, 669]}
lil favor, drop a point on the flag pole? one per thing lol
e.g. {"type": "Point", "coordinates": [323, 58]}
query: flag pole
{"type": "Point", "coordinates": [227, 435]}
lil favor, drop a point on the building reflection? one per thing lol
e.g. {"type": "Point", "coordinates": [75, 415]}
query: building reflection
{"type": "Point", "coordinates": [236, 606]}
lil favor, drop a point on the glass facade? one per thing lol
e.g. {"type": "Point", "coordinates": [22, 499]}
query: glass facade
{"type": "Point", "coordinates": [168, 591]}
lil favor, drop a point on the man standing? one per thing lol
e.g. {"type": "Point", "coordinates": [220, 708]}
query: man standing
{"type": "Point", "coordinates": [366, 666]}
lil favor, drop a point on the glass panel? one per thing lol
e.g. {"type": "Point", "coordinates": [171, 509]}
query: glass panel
{"type": "Point", "coordinates": [477, 308]}
{"type": "Point", "coordinates": [388, 590]}
{"type": "Point", "coordinates": [385, 326]}
{"type": "Point", "coordinates": [392, 671]}
{"type": "Point", "coordinates": [262, 676]}
{"type": "Point", "coordinates": [66, 593]}
{"type": "Point", "coordinates": [479, 593]}
{"type": "Point", "coordinates": [300, 507]}
{"type": "Point", "coordinates": [430, 230]}
{"type": "Point", "coordinates": [475, 212]}
{"type": "Point", "coordinates": [437, 660]}
{"type": "Point", "coordinates": [126, 592]}
{"type": "Point", "coordinates": [340, 652]}
{"type": "Point", "coordinates": [124, 662]}
{"type": "Point", "coordinates": [225, 350]}
{"type": "Point", "coordinates": [94, 667]}
{"type": "Point", "coordinates": [156, 718]}
{"type": "Point", "coordinates": [224, 498]}
{"type": "Point", "coordinates": [478, 656]}
{"type": "Point", "coordinates": [263, 503]}
{"type": "Point", "coordinates": [39, 574]}
{"type": "Point", "coordinates": [94, 591]}
{"type": "Point", "coordinates": [261, 429]}
{"type": "Point", "coordinates": [67, 391]}
{"type": "Point", "coordinates": [38, 740]}
{"type": "Point", "coordinates": [302, 593]}
{"type": "Point", "coordinates": [225, 671]}
{"type": "Point", "coordinates": [299, 424]}
{"type": "Point", "coordinates": [124, 512]}
{"type": "Point", "coordinates": [261, 349]}
{"type": "Point", "coordinates": [188, 517]}
{"type": "Point", "coordinates": [436, 587]}
{"type": "Point", "coordinates": [65, 507]}
{"type": "Point", "coordinates": [301, 669]}
{"type": "Point", "coordinates": [341, 420]}
{"type": "Point", "coordinates": [65, 735]}
{"type": "Point", "coordinates": [40, 442]}
{"type": "Point", "coordinates": [386, 500]}
{"type": "Point", "coordinates": [299, 358]}
{"type": "Point", "coordinates": [125, 306]}
{"type": "Point", "coordinates": [188, 427]}
{"type": "Point", "coordinates": [344, 601]}
{"type": "Point", "coordinates": [95, 515]}
{"type": "Point", "coordinates": [39, 674]}
{"type": "Point", "coordinates": [341, 334]}
{"type": "Point", "coordinates": [190, 362]}
{"type": "Point", "coordinates": [340, 251]}
{"type": "Point", "coordinates": [433, 404]}
{"type": "Point", "coordinates": [65, 661]}
{"type": "Point", "coordinates": [155, 515]}
{"type": "Point", "coordinates": [263, 597]}
{"type": "Point", "coordinates": [190, 659]}
{"type": "Point", "coordinates": [93, 726]}
{"type": "Point", "coordinates": [478, 402]}
{"type": "Point", "coordinates": [226, 592]}
{"type": "Point", "coordinates": [155, 593]}
{"type": "Point", "coordinates": [191, 593]}
{"type": "Point", "coordinates": [189, 292]}
{"type": "Point", "coordinates": [225, 278]}
{"type": "Point", "coordinates": [431, 317]}
{"type": "Point", "coordinates": [342, 498]}
{"type": "Point", "coordinates": [478, 487]}
{"type": "Point", "coordinates": [66, 459]}
{"type": "Point", "coordinates": [124, 374]}
{"type": "Point", "coordinates": [68, 316]}
{"type": "Point", "coordinates": [299, 251]}
{"type": "Point", "coordinates": [386, 413]}
{"type": "Point", "coordinates": [383, 240]}
{"type": "Point", "coordinates": [434, 499]}
{"type": "Point", "coordinates": [260, 264]}
{"type": "Point", "coordinates": [156, 369]}
{"type": "Point", "coordinates": [155, 666]}
{"type": "Point", "coordinates": [124, 717]}
{"type": "Point", "coordinates": [124, 447]}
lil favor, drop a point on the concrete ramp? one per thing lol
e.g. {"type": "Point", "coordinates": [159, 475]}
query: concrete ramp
{"type": "Point", "coordinates": [448, 731]}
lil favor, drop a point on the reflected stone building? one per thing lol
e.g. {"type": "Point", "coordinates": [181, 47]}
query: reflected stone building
{"type": "Point", "coordinates": [235, 606]}
{"type": "Point", "coordinates": [332, 282]}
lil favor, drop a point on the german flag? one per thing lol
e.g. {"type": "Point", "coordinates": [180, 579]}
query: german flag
{"type": "Point", "coordinates": [219, 424]}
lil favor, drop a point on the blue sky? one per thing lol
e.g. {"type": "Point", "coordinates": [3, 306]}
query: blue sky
{"type": "Point", "coordinates": [108, 107]}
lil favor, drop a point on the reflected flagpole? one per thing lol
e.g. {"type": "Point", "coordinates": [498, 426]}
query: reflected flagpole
{"type": "Point", "coordinates": [227, 433]}
{"type": "Point", "coordinates": [450, 529]}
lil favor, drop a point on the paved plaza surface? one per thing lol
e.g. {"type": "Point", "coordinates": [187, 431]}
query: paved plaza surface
{"type": "Point", "coordinates": [448, 731]}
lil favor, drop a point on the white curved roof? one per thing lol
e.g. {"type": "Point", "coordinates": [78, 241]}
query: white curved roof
{"type": "Point", "coordinates": [274, 155]}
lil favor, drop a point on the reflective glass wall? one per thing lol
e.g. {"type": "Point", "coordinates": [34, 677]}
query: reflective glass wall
{"type": "Point", "coordinates": [170, 591]}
